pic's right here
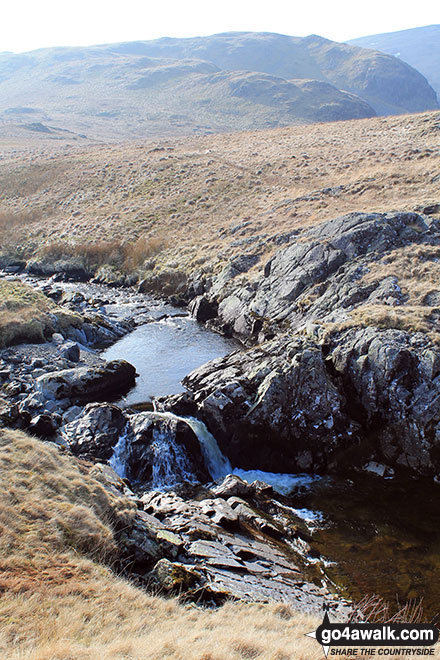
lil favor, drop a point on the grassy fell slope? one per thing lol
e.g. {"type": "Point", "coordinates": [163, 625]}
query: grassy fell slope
{"type": "Point", "coordinates": [201, 199]}
{"type": "Point", "coordinates": [60, 600]}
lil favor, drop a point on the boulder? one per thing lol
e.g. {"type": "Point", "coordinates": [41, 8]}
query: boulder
{"type": "Point", "coordinates": [202, 309]}
{"type": "Point", "coordinates": [43, 426]}
{"type": "Point", "coordinates": [95, 431]}
{"type": "Point", "coordinates": [174, 576]}
{"type": "Point", "coordinates": [70, 351]}
{"type": "Point", "coordinates": [88, 383]}
{"type": "Point", "coordinates": [233, 486]}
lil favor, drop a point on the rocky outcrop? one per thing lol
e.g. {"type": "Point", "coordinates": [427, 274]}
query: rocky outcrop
{"type": "Point", "coordinates": [320, 276]}
{"type": "Point", "coordinates": [88, 383]}
{"type": "Point", "coordinates": [313, 396]}
{"type": "Point", "coordinates": [296, 404]}
{"type": "Point", "coordinates": [274, 407]}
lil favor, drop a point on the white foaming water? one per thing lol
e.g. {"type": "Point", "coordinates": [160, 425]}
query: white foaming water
{"type": "Point", "coordinates": [118, 461]}
{"type": "Point", "coordinates": [171, 465]}
{"type": "Point", "coordinates": [282, 483]}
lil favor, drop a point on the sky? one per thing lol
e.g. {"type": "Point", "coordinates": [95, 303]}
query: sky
{"type": "Point", "coordinates": [30, 24]}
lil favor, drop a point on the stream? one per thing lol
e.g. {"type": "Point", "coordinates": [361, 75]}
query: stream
{"type": "Point", "coordinates": [164, 352]}
{"type": "Point", "coordinates": [378, 536]}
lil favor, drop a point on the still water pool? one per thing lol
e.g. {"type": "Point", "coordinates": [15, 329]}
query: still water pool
{"type": "Point", "coordinates": [164, 352]}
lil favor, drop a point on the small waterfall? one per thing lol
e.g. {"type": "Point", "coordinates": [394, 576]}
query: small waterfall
{"type": "Point", "coordinates": [118, 460]}
{"type": "Point", "coordinates": [170, 465]}
{"type": "Point", "coordinates": [217, 464]}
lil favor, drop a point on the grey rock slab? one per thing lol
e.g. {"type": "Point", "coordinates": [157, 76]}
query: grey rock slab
{"type": "Point", "coordinates": [95, 431]}
{"type": "Point", "coordinates": [87, 383]}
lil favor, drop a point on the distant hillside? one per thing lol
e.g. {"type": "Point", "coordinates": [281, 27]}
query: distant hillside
{"type": "Point", "coordinates": [384, 82]}
{"type": "Point", "coordinates": [221, 83]}
{"type": "Point", "coordinates": [419, 47]}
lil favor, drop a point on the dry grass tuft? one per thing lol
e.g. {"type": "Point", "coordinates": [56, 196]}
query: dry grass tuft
{"type": "Point", "coordinates": [124, 256]}
{"type": "Point", "coordinates": [416, 270]}
{"type": "Point", "coordinates": [135, 254]}
{"type": "Point", "coordinates": [374, 609]}
{"type": "Point", "coordinates": [27, 315]}
{"type": "Point", "coordinates": [91, 255]}
{"type": "Point", "coordinates": [405, 317]}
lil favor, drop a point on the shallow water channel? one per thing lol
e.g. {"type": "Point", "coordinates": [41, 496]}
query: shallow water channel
{"type": "Point", "coordinates": [379, 536]}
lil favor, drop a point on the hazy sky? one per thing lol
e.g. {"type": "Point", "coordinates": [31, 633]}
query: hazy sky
{"type": "Point", "coordinates": [29, 24]}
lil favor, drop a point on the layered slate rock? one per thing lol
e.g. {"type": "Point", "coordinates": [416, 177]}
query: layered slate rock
{"type": "Point", "coordinates": [213, 546]}
{"type": "Point", "coordinates": [228, 547]}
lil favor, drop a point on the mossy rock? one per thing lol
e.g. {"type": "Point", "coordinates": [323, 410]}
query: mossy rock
{"type": "Point", "coordinates": [173, 576]}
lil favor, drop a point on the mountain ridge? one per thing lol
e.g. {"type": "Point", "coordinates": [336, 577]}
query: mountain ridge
{"type": "Point", "coordinates": [205, 84]}
{"type": "Point", "coordinates": [416, 46]}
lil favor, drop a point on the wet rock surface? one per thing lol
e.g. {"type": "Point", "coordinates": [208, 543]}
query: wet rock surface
{"type": "Point", "coordinates": [209, 548]}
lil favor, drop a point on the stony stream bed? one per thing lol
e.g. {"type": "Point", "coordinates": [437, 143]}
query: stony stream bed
{"type": "Point", "coordinates": [365, 534]}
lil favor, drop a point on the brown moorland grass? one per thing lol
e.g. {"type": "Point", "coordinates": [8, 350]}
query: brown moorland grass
{"type": "Point", "coordinates": [28, 315]}
{"type": "Point", "coordinates": [60, 602]}
{"type": "Point", "coordinates": [93, 255]}
{"type": "Point", "coordinates": [206, 197]}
